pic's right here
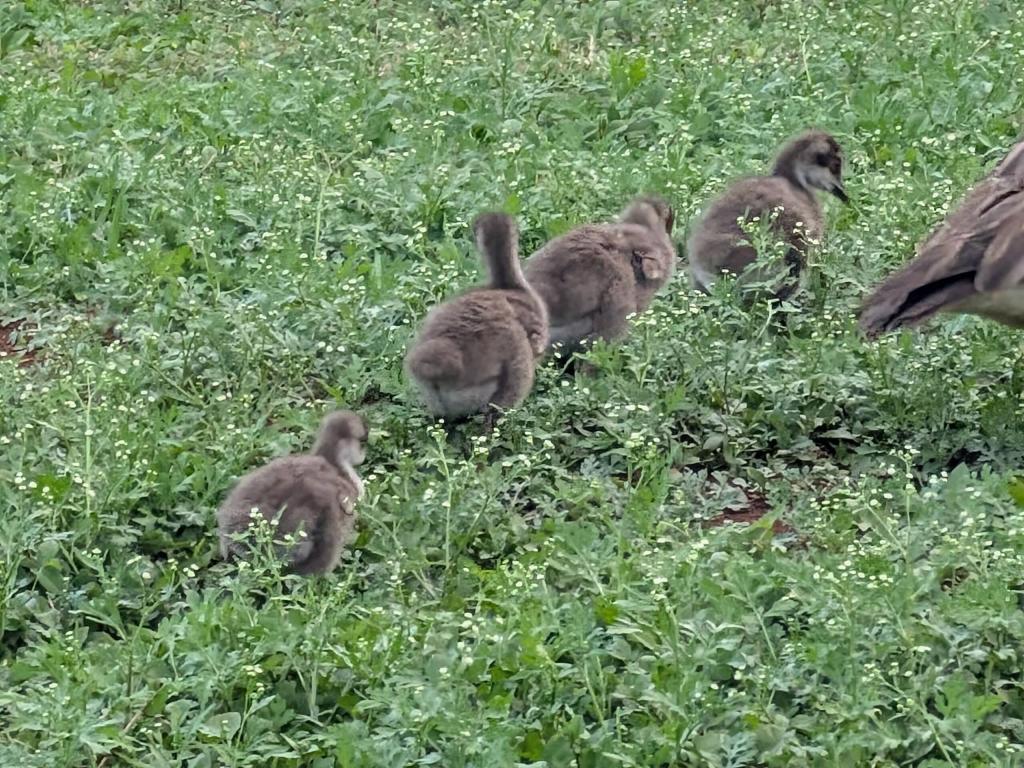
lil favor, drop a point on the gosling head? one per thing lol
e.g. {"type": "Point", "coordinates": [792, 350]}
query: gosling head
{"type": "Point", "coordinates": [342, 439]}
{"type": "Point", "coordinates": [651, 212]}
{"type": "Point", "coordinates": [813, 160]}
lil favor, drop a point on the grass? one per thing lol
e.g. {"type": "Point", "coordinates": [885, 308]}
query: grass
{"type": "Point", "coordinates": [220, 219]}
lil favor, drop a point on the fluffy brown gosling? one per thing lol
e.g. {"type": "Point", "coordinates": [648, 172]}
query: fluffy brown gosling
{"type": "Point", "coordinates": [476, 352]}
{"type": "Point", "coordinates": [786, 197]}
{"type": "Point", "coordinates": [310, 496]}
{"type": "Point", "coordinates": [593, 278]}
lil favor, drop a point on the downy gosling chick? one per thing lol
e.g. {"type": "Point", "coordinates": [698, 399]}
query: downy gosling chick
{"type": "Point", "coordinates": [594, 277]}
{"type": "Point", "coordinates": [972, 263]}
{"type": "Point", "coordinates": [311, 496]}
{"type": "Point", "coordinates": [476, 352]}
{"type": "Point", "coordinates": [786, 198]}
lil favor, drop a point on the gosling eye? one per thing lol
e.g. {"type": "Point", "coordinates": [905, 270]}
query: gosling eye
{"type": "Point", "coordinates": [822, 158]}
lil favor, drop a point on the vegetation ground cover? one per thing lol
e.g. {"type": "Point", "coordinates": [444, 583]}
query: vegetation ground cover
{"type": "Point", "coordinates": [220, 219]}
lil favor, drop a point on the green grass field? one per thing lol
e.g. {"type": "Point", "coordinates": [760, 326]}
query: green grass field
{"type": "Point", "coordinates": [220, 219]}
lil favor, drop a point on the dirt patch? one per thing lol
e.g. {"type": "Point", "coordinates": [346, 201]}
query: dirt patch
{"type": "Point", "coordinates": [110, 335]}
{"type": "Point", "coordinates": [753, 510]}
{"type": "Point", "coordinates": [779, 528]}
{"type": "Point", "coordinates": [374, 395]}
{"type": "Point", "coordinates": [109, 330]}
{"type": "Point", "coordinates": [14, 340]}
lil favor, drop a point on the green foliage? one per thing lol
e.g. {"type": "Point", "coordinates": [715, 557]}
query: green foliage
{"type": "Point", "coordinates": [219, 219]}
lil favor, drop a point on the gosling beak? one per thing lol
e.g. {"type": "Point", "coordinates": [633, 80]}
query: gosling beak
{"type": "Point", "coordinates": [840, 192]}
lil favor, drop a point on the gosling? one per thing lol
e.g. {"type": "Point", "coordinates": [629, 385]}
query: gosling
{"type": "Point", "coordinates": [476, 353]}
{"type": "Point", "coordinates": [593, 278]}
{"type": "Point", "coordinates": [312, 497]}
{"type": "Point", "coordinates": [972, 263]}
{"type": "Point", "coordinates": [720, 241]}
